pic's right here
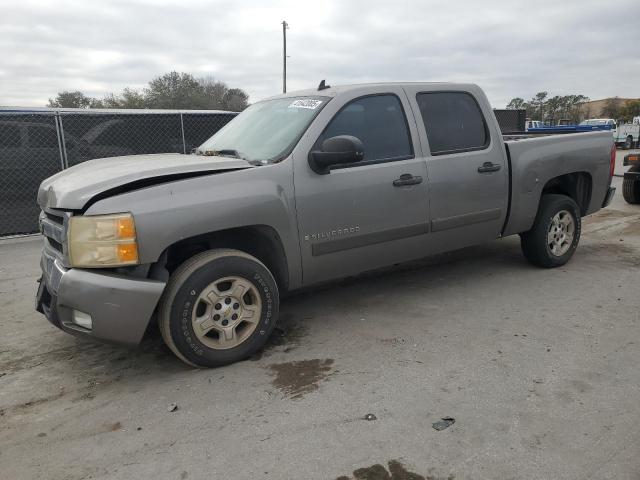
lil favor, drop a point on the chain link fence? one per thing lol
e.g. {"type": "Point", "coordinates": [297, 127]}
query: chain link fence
{"type": "Point", "coordinates": [511, 121]}
{"type": "Point", "coordinates": [37, 144]}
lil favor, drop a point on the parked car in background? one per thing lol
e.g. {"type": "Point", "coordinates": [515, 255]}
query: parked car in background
{"type": "Point", "coordinates": [599, 124]}
{"type": "Point", "coordinates": [595, 124]}
{"type": "Point", "coordinates": [627, 135]}
{"type": "Point", "coordinates": [631, 180]}
{"type": "Point", "coordinates": [300, 189]}
{"type": "Point", "coordinates": [531, 124]}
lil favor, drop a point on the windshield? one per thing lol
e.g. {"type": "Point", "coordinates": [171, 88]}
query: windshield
{"type": "Point", "coordinates": [267, 131]}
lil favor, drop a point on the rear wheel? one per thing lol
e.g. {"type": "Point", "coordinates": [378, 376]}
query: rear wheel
{"type": "Point", "coordinates": [631, 190]}
{"type": "Point", "coordinates": [219, 307]}
{"type": "Point", "coordinates": [628, 143]}
{"type": "Point", "coordinates": [555, 234]}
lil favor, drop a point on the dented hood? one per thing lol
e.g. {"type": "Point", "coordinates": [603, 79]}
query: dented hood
{"type": "Point", "coordinates": [74, 187]}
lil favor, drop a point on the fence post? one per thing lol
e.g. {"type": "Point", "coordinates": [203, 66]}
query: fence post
{"type": "Point", "coordinates": [184, 144]}
{"type": "Point", "coordinates": [56, 117]}
{"type": "Point", "coordinates": [64, 144]}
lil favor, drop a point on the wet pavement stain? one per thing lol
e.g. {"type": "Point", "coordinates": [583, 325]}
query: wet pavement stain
{"type": "Point", "coordinates": [396, 471]}
{"type": "Point", "coordinates": [113, 427]}
{"type": "Point", "coordinates": [286, 336]}
{"type": "Point", "coordinates": [296, 379]}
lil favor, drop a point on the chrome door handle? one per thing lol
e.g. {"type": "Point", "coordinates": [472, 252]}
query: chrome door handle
{"type": "Point", "coordinates": [407, 179]}
{"type": "Point", "coordinates": [489, 167]}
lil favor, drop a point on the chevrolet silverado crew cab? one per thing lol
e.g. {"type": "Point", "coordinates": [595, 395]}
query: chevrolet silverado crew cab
{"type": "Point", "coordinates": [299, 189]}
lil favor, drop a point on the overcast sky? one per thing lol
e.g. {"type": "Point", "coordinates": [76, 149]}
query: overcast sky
{"type": "Point", "coordinates": [510, 48]}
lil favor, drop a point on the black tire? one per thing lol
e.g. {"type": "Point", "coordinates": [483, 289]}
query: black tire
{"type": "Point", "coordinates": [628, 143]}
{"type": "Point", "coordinates": [181, 299]}
{"type": "Point", "coordinates": [535, 246]}
{"type": "Point", "coordinates": [631, 190]}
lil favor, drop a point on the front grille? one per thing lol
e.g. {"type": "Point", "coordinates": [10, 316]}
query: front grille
{"type": "Point", "coordinates": [53, 225]}
{"type": "Point", "coordinates": [56, 245]}
{"type": "Point", "coordinates": [54, 217]}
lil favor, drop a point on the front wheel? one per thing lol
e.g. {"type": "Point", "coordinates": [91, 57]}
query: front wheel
{"type": "Point", "coordinates": [219, 307]}
{"type": "Point", "coordinates": [555, 234]}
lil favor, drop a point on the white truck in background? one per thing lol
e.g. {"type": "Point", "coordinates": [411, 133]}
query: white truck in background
{"type": "Point", "coordinates": [532, 124]}
{"type": "Point", "coordinates": [628, 134]}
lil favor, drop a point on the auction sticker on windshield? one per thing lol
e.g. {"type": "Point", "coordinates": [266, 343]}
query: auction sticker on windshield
{"type": "Point", "coordinates": [306, 103]}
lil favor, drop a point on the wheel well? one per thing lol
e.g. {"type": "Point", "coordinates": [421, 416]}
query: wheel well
{"type": "Point", "coordinates": [261, 241]}
{"type": "Point", "coordinates": [576, 185]}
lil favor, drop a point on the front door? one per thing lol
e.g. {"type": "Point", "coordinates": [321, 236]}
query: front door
{"type": "Point", "coordinates": [368, 214]}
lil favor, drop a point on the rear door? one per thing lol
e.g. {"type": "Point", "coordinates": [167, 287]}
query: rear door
{"type": "Point", "coordinates": [466, 165]}
{"type": "Point", "coordinates": [367, 214]}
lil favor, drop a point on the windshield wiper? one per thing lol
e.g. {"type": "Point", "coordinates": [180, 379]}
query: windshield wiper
{"type": "Point", "coordinates": [226, 152]}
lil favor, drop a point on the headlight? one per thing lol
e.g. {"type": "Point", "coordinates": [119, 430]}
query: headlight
{"type": "Point", "coordinates": [102, 241]}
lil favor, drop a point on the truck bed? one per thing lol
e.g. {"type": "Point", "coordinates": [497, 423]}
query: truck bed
{"type": "Point", "coordinates": [535, 158]}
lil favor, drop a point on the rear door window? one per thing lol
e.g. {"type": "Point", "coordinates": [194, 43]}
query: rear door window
{"type": "Point", "coordinates": [453, 121]}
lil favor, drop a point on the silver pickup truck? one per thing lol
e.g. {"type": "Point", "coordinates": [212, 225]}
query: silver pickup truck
{"type": "Point", "coordinates": [300, 189]}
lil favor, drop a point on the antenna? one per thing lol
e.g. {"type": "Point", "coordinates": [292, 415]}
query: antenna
{"type": "Point", "coordinates": [323, 86]}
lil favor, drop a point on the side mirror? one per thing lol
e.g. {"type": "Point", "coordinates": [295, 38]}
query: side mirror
{"type": "Point", "coordinates": [340, 150]}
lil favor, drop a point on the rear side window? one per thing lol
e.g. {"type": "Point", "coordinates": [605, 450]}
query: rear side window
{"type": "Point", "coordinates": [379, 122]}
{"type": "Point", "coordinates": [453, 121]}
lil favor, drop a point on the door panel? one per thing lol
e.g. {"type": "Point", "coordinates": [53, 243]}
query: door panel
{"type": "Point", "coordinates": [468, 172]}
{"type": "Point", "coordinates": [355, 219]}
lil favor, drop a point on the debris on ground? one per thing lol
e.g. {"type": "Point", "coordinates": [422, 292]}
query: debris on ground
{"type": "Point", "coordinates": [172, 407]}
{"type": "Point", "coordinates": [369, 417]}
{"type": "Point", "coordinates": [445, 422]}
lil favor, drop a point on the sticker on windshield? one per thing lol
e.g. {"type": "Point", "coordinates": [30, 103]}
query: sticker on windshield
{"type": "Point", "coordinates": [306, 103]}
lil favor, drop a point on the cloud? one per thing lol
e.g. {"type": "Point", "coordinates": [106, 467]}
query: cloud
{"type": "Point", "coordinates": [508, 48]}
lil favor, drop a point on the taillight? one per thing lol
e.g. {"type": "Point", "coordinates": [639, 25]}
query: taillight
{"type": "Point", "coordinates": [612, 166]}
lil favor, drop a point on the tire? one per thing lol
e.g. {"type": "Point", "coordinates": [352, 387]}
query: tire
{"type": "Point", "coordinates": [631, 190]}
{"type": "Point", "coordinates": [556, 215]}
{"type": "Point", "coordinates": [197, 308]}
{"type": "Point", "coordinates": [628, 143]}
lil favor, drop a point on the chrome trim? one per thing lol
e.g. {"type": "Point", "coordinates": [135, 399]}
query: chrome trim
{"type": "Point", "coordinates": [52, 270]}
{"type": "Point", "coordinates": [52, 230]}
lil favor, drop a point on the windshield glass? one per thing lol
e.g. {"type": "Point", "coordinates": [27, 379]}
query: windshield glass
{"type": "Point", "coordinates": [267, 131]}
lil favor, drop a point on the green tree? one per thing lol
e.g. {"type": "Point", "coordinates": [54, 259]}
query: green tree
{"type": "Point", "coordinates": [612, 108]}
{"type": "Point", "coordinates": [538, 103]}
{"type": "Point", "coordinates": [69, 99]}
{"type": "Point", "coordinates": [235, 99]}
{"type": "Point", "coordinates": [129, 98]}
{"type": "Point", "coordinates": [553, 109]}
{"type": "Point", "coordinates": [172, 90]}
{"type": "Point", "coordinates": [516, 104]}
{"type": "Point", "coordinates": [576, 107]}
{"type": "Point", "coordinates": [213, 92]}
{"type": "Point", "coordinates": [630, 109]}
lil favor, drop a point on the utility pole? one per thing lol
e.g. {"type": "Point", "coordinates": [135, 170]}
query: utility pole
{"type": "Point", "coordinates": [285, 25]}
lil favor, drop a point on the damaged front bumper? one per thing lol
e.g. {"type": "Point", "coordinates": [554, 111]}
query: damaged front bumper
{"type": "Point", "coordinates": [96, 304]}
